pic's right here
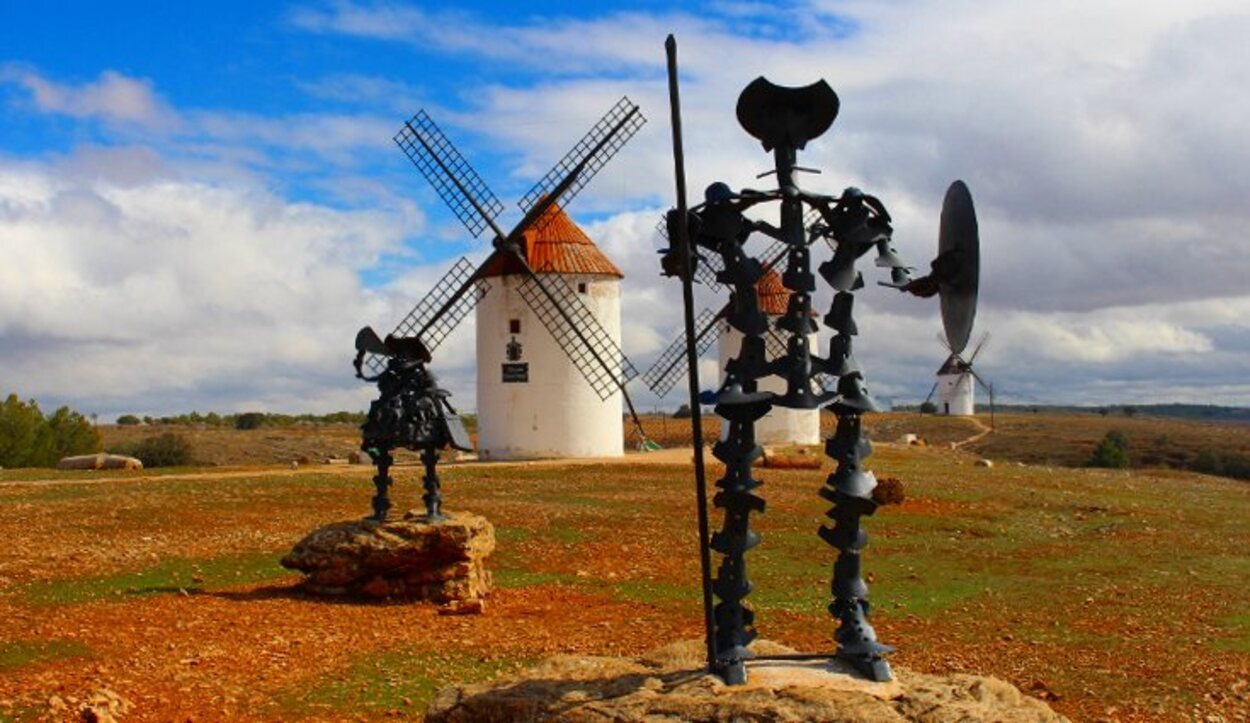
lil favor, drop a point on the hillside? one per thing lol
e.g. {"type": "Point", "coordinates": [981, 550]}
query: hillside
{"type": "Point", "coordinates": [1064, 440]}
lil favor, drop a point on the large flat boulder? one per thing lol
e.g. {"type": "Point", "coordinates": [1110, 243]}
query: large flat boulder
{"type": "Point", "coordinates": [442, 561]}
{"type": "Point", "coordinates": [670, 685]}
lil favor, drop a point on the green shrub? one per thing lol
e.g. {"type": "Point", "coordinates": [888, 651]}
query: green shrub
{"type": "Point", "coordinates": [1224, 464]}
{"type": "Point", "coordinates": [1111, 452]}
{"type": "Point", "coordinates": [128, 420]}
{"type": "Point", "coordinates": [928, 408]}
{"type": "Point", "coordinates": [249, 420]}
{"type": "Point", "coordinates": [29, 439]}
{"type": "Point", "coordinates": [163, 450]}
{"type": "Point", "coordinates": [683, 412]}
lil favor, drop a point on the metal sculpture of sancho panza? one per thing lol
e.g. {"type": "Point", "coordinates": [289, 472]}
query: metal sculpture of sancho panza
{"type": "Point", "coordinates": [439, 312]}
{"type": "Point", "coordinates": [411, 412]}
{"type": "Point", "coordinates": [784, 120]}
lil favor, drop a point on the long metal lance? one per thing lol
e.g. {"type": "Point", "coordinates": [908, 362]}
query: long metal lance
{"type": "Point", "coordinates": [692, 359]}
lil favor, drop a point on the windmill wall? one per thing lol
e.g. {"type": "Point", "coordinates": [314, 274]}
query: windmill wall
{"type": "Point", "coordinates": [553, 411]}
{"type": "Point", "coordinates": [781, 425]}
{"type": "Point", "coordinates": [955, 394]}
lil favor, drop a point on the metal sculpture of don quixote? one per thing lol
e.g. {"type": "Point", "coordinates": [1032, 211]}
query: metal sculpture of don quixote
{"type": "Point", "coordinates": [715, 235]}
{"type": "Point", "coordinates": [411, 411]}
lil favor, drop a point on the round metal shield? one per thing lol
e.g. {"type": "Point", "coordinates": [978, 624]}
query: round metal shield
{"type": "Point", "coordinates": [959, 242]}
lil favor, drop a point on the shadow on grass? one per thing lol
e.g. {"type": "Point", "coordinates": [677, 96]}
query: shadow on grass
{"type": "Point", "coordinates": [298, 593]}
{"type": "Point", "coordinates": [174, 576]}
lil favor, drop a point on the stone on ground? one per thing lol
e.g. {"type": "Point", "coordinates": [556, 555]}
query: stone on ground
{"type": "Point", "coordinates": [410, 558]}
{"type": "Point", "coordinates": [669, 685]}
{"type": "Point", "coordinates": [100, 460]}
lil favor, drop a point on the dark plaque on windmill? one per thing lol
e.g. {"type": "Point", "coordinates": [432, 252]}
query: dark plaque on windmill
{"type": "Point", "coordinates": [716, 236]}
{"type": "Point", "coordinates": [516, 372]}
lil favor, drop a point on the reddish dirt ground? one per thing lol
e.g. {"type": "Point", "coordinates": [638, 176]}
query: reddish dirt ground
{"type": "Point", "coordinates": [1113, 596]}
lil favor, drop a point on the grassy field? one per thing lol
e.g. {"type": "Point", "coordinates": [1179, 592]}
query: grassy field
{"type": "Point", "coordinates": [1068, 439]}
{"type": "Point", "coordinates": [1044, 439]}
{"type": "Point", "coordinates": [1112, 594]}
{"type": "Point", "coordinates": [224, 447]}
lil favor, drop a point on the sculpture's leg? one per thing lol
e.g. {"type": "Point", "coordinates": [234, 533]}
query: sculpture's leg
{"type": "Point", "coordinates": [433, 497]}
{"type": "Point", "coordinates": [850, 490]}
{"type": "Point", "coordinates": [382, 481]}
{"type": "Point", "coordinates": [735, 623]}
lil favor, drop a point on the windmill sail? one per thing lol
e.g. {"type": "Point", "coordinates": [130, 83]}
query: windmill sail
{"type": "Point", "coordinates": [594, 150]}
{"type": "Point", "coordinates": [575, 329]}
{"type": "Point", "coordinates": [455, 181]}
{"type": "Point", "coordinates": [426, 309]}
{"type": "Point", "coordinates": [668, 369]}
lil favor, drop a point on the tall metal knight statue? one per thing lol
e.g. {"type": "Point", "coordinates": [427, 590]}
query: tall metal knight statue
{"type": "Point", "coordinates": [715, 233]}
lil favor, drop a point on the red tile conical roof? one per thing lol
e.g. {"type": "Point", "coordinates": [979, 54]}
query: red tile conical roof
{"type": "Point", "coordinates": [555, 245]}
{"type": "Point", "coordinates": [774, 298]}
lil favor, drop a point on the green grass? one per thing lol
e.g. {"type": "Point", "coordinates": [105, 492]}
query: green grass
{"type": "Point", "coordinates": [569, 535]}
{"type": "Point", "coordinates": [91, 475]}
{"type": "Point", "coordinates": [165, 578]}
{"type": "Point", "coordinates": [1238, 627]}
{"type": "Point", "coordinates": [19, 653]}
{"type": "Point", "coordinates": [657, 592]}
{"type": "Point", "coordinates": [23, 714]}
{"type": "Point", "coordinates": [512, 577]}
{"type": "Point", "coordinates": [404, 680]}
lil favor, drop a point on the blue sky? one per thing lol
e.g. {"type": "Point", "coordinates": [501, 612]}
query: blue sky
{"type": "Point", "coordinates": [201, 204]}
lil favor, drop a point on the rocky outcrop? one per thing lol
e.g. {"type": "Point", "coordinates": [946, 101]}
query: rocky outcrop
{"type": "Point", "coordinates": [669, 685]}
{"type": "Point", "coordinates": [410, 558]}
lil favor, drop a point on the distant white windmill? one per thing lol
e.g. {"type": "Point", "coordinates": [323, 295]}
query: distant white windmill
{"type": "Point", "coordinates": [956, 382]}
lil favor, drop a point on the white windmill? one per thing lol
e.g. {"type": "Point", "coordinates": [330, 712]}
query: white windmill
{"type": "Point", "coordinates": [532, 400]}
{"type": "Point", "coordinates": [956, 382]}
{"type": "Point", "coordinates": [550, 372]}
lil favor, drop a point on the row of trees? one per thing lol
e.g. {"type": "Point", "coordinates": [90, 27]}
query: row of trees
{"type": "Point", "coordinates": [29, 438]}
{"type": "Point", "coordinates": [244, 420]}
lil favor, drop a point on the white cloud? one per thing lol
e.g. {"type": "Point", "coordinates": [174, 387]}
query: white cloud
{"type": "Point", "coordinates": [113, 98]}
{"type": "Point", "coordinates": [119, 295]}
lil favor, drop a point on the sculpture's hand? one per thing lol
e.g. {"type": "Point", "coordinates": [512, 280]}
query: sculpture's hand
{"type": "Point", "coordinates": [924, 287]}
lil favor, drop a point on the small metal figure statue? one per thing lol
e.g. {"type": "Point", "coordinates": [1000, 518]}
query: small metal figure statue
{"type": "Point", "coordinates": [784, 120]}
{"type": "Point", "coordinates": [411, 412]}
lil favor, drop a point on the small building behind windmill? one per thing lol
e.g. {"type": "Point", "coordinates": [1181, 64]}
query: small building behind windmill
{"type": "Point", "coordinates": [533, 400]}
{"type": "Point", "coordinates": [955, 387]}
{"type": "Point", "coordinates": [781, 426]}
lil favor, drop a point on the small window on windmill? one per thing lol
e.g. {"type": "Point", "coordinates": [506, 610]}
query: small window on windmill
{"type": "Point", "coordinates": [514, 326]}
{"type": "Point", "coordinates": [581, 287]}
